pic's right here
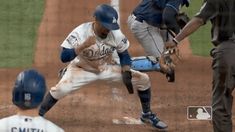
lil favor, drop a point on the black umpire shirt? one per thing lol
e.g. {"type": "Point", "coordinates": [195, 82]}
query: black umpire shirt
{"type": "Point", "coordinates": [222, 16]}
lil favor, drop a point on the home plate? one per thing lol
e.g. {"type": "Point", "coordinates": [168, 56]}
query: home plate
{"type": "Point", "coordinates": [127, 120]}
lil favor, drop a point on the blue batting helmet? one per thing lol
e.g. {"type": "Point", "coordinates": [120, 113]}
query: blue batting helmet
{"type": "Point", "coordinates": [29, 89]}
{"type": "Point", "coordinates": [107, 16]}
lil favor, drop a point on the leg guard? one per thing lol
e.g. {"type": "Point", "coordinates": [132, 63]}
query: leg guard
{"type": "Point", "coordinates": [144, 63]}
{"type": "Point", "coordinates": [47, 104]}
{"type": "Point", "coordinates": [150, 63]}
{"type": "Point", "coordinates": [145, 98]}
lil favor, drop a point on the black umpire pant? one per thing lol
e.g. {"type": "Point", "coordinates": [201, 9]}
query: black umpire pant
{"type": "Point", "coordinates": [223, 66]}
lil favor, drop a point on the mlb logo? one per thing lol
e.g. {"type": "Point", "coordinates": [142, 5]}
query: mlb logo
{"type": "Point", "coordinates": [199, 112]}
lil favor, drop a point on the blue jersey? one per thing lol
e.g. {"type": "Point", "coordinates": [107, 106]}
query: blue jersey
{"type": "Point", "coordinates": [151, 10]}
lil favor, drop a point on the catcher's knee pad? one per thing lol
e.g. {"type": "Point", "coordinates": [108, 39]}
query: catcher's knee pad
{"type": "Point", "coordinates": [144, 64]}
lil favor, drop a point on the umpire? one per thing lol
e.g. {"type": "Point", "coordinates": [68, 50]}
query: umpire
{"type": "Point", "coordinates": [221, 13]}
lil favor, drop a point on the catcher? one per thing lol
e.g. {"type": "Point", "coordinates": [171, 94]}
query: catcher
{"type": "Point", "coordinates": [153, 22]}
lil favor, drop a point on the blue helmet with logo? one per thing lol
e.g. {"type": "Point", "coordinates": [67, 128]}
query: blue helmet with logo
{"type": "Point", "coordinates": [107, 16]}
{"type": "Point", "coordinates": [29, 89]}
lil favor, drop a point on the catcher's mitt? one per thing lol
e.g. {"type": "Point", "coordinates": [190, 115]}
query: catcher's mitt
{"type": "Point", "coordinates": [182, 19]}
{"type": "Point", "coordinates": [169, 59]}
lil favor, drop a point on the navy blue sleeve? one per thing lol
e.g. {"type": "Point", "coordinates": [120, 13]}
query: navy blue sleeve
{"type": "Point", "coordinates": [160, 4]}
{"type": "Point", "coordinates": [67, 55]}
{"type": "Point", "coordinates": [174, 4]}
{"type": "Point", "coordinates": [125, 58]}
{"type": "Point", "coordinates": [169, 19]}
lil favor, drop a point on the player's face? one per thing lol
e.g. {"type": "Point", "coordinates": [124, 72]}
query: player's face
{"type": "Point", "coordinates": [100, 30]}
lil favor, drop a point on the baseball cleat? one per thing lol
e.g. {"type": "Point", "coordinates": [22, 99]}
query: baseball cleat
{"type": "Point", "coordinates": [153, 120]}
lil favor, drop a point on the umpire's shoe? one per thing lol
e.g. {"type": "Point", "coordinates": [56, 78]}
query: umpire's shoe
{"type": "Point", "coordinates": [153, 120]}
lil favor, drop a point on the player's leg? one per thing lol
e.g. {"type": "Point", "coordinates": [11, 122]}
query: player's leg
{"type": "Point", "coordinates": [150, 63]}
{"type": "Point", "coordinates": [145, 63]}
{"type": "Point", "coordinates": [73, 79]}
{"type": "Point", "coordinates": [151, 40]}
{"type": "Point", "coordinates": [141, 82]}
{"type": "Point", "coordinates": [223, 86]}
{"type": "Point", "coordinates": [148, 36]}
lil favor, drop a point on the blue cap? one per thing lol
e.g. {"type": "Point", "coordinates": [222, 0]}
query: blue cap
{"type": "Point", "coordinates": [107, 16]}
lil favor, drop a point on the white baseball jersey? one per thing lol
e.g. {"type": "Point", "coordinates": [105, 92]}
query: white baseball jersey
{"type": "Point", "coordinates": [19, 123]}
{"type": "Point", "coordinates": [93, 62]}
{"type": "Point", "coordinates": [96, 56]}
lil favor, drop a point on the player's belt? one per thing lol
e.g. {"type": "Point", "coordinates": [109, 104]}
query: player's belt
{"type": "Point", "coordinates": [137, 18]}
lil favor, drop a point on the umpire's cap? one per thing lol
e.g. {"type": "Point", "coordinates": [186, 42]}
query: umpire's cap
{"type": "Point", "coordinates": [107, 16]}
{"type": "Point", "coordinates": [29, 89]}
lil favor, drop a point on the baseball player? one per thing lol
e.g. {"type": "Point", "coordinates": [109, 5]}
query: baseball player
{"type": "Point", "coordinates": [27, 95]}
{"type": "Point", "coordinates": [148, 22]}
{"type": "Point", "coordinates": [221, 13]}
{"type": "Point", "coordinates": [88, 48]}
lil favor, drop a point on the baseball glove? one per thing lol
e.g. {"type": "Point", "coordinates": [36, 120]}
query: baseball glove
{"type": "Point", "coordinates": [169, 59]}
{"type": "Point", "coordinates": [182, 19]}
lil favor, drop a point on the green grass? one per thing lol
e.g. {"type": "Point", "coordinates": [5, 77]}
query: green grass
{"type": "Point", "coordinates": [200, 40]}
{"type": "Point", "coordinates": [19, 21]}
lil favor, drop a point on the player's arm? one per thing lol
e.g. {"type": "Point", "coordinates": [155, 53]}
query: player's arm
{"type": "Point", "coordinates": [125, 60]}
{"type": "Point", "coordinates": [122, 49]}
{"type": "Point", "coordinates": [88, 42]}
{"type": "Point", "coordinates": [169, 19]}
{"type": "Point", "coordinates": [207, 11]}
{"type": "Point", "coordinates": [68, 54]}
{"type": "Point", "coordinates": [169, 15]}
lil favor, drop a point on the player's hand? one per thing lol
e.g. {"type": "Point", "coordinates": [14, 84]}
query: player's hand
{"type": "Point", "coordinates": [90, 41]}
{"type": "Point", "coordinates": [170, 57]}
{"type": "Point", "coordinates": [170, 45]}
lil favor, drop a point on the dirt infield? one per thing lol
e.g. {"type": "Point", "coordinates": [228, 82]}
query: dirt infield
{"type": "Point", "coordinates": [93, 108]}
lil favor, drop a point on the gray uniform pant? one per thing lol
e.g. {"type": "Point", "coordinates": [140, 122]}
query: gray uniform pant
{"type": "Point", "coordinates": [148, 36]}
{"type": "Point", "coordinates": [223, 84]}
